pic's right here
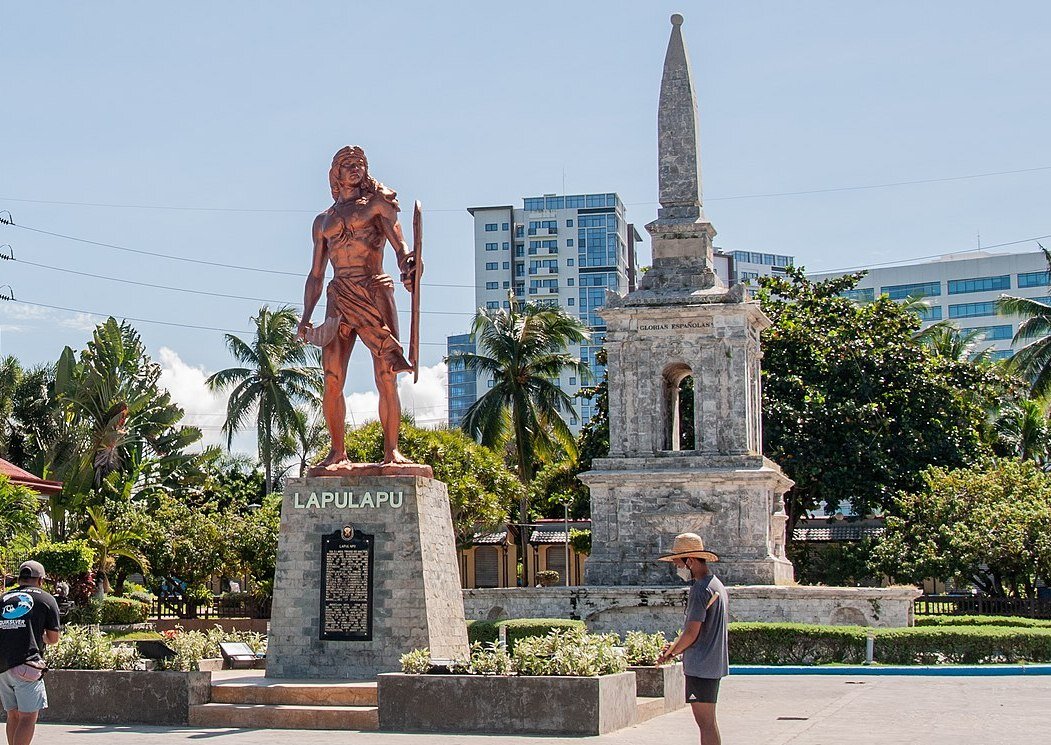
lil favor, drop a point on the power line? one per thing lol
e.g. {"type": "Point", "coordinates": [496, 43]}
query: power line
{"type": "Point", "coordinates": [186, 259]}
{"type": "Point", "coordinates": [931, 256]}
{"type": "Point", "coordinates": [203, 292]}
{"type": "Point", "coordinates": [164, 323]}
{"type": "Point", "coordinates": [827, 190]}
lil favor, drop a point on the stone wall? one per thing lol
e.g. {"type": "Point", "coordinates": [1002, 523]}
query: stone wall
{"type": "Point", "coordinates": [417, 600]}
{"type": "Point", "coordinates": [653, 609]}
{"type": "Point", "coordinates": [124, 696]}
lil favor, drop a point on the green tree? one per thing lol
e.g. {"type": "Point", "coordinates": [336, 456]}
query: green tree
{"type": "Point", "coordinates": [278, 373]}
{"type": "Point", "coordinates": [108, 542]}
{"type": "Point", "coordinates": [182, 542]}
{"type": "Point", "coordinates": [252, 537]}
{"type": "Point", "coordinates": [523, 350]}
{"type": "Point", "coordinates": [1022, 430]}
{"type": "Point", "coordinates": [986, 525]}
{"type": "Point", "coordinates": [119, 432]}
{"type": "Point", "coordinates": [854, 407]}
{"type": "Point", "coordinates": [481, 488]}
{"type": "Point", "coordinates": [19, 511]}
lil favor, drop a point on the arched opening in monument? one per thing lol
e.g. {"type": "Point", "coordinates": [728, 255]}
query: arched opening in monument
{"type": "Point", "coordinates": [679, 430]}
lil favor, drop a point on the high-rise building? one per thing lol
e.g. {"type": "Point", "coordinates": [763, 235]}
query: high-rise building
{"type": "Point", "coordinates": [962, 288]}
{"type": "Point", "coordinates": [560, 250]}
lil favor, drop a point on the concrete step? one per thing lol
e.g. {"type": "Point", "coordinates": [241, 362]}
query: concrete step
{"type": "Point", "coordinates": [269, 716]}
{"type": "Point", "coordinates": [648, 708]}
{"type": "Point", "coordinates": [358, 693]}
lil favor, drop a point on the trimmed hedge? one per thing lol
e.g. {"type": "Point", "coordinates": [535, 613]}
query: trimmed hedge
{"type": "Point", "coordinates": [805, 644]}
{"type": "Point", "coordinates": [1029, 623]}
{"type": "Point", "coordinates": [122, 611]}
{"type": "Point", "coordinates": [517, 628]}
{"type": "Point", "coordinates": [795, 644]}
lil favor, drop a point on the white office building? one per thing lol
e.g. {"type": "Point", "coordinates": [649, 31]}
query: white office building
{"type": "Point", "coordinates": [963, 288]}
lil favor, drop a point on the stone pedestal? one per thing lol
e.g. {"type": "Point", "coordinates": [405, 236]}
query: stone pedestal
{"type": "Point", "coordinates": [416, 600]}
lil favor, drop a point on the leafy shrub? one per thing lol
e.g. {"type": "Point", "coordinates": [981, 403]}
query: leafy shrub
{"type": "Point", "coordinates": [64, 560]}
{"type": "Point", "coordinates": [142, 596]}
{"type": "Point", "coordinates": [198, 594]}
{"type": "Point", "coordinates": [547, 578]}
{"type": "Point", "coordinates": [82, 587]}
{"type": "Point", "coordinates": [416, 662]}
{"type": "Point", "coordinates": [569, 652]}
{"type": "Point", "coordinates": [517, 628]}
{"type": "Point", "coordinates": [85, 613]}
{"type": "Point", "coordinates": [122, 611]}
{"type": "Point", "coordinates": [191, 647]}
{"type": "Point", "coordinates": [963, 644]}
{"type": "Point", "coordinates": [580, 540]}
{"type": "Point", "coordinates": [643, 649]}
{"type": "Point", "coordinates": [1031, 623]}
{"type": "Point", "coordinates": [795, 644]}
{"type": "Point", "coordinates": [81, 648]}
{"type": "Point", "coordinates": [490, 659]}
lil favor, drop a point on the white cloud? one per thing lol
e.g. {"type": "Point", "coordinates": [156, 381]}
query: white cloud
{"type": "Point", "coordinates": [204, 408]}
{"type": "Point", "coordinates": [426, 400]}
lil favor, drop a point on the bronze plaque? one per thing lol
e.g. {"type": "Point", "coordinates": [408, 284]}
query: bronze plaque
{"type": "Point", "coordinates": [346, 586]}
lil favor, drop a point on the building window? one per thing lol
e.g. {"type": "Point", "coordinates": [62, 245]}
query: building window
{"type": "Point", "coordinates": [970, 310]}
{"type": "Point", "coordinates": [570, 281]}
{"type": "Point", "coordinates": [492, 246]}
{"type": "Point", "coordinates": [519, 249]}
{"type": "Point", "coordinates": [491, 383]}
{"type": "Point", "coordinates": [571, 301]}
{"type": "Point", "coordinates": [506, 246]}
{"type": "Point", "coordinates": [505, 226]}
{"type": "Point", "coordinates": [569, 262]}
{"type": "Point", "coordinates": [492, 305]}
{"type": "Point", "coordinates": [979, 284]}
{"type": "Point", "coordinates": [569, 223]}
{"type": "Point", "coordinates": [492, 285]}
{"type": "Point", "coordinates": [991, 333]}
{"type": "Point", "coordinates": [572, 381]}
{"type": "Point", "coordinates": [569, 243]}
{"type": "Point", "coordinates": [491, 227]}
{"type": "Point", "coordinates": [1001, 354]}
{"type": "Point", "coordinates": [507, 304]}
{"type": "Point", "coordinates": [1034, 279]}
{"type": "Point", "coordinates": [917, 289]}
{"type": "Point", "coordinates": [507, 285]}
{"type": "Point", "coordinates": [933, 313]}
{"type": "Point", "coordinates": [507, 265]}
{"type": "Point", "coordinates": [491, 265]}
{"type": "Point", "coordinates": [862, 295]}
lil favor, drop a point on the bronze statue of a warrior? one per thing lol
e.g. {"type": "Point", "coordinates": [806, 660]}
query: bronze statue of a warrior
{"type": "Point", "coordinates": [351, 235]}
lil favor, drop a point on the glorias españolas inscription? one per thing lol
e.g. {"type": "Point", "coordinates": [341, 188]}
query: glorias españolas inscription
{"type": "Point", "coordinates": [345, 500]}
{"type": "Point", "coordinates": [673, 326]}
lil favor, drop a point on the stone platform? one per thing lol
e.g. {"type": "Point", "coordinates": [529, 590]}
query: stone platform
{"type": "Point", "coordinates": [412, 587]}
{"type": "Point", "coordinates": [653, 609]}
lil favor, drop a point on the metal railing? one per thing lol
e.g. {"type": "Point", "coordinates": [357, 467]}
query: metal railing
{"type": "Point", "coordinates": [215, 608]}
{"type": "Point", "coordinates": [973, 605]}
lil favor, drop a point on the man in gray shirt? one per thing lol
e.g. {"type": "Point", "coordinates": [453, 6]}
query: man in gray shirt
{"type": "Point", "coordinates": [703, 642]}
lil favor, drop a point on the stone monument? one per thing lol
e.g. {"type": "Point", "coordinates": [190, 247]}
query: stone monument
{"type": "Point", "coordinates": [366, 557]}
{"type": "Point", "coordinates": [685, 414]}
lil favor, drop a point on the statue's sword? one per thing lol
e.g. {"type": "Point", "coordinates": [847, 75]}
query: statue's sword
{"type": "Point", "coordinates": [414, 329]}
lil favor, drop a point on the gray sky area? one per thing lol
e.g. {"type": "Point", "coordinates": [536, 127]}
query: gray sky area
{"type": "Point", "coordinates": [218, 120]}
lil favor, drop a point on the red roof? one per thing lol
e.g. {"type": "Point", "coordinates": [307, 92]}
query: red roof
{"type": "Point", "coordinates": [23, 477]}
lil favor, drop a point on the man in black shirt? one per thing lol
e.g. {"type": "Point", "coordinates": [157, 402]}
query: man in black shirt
{"type": "Point", "coordinates": [29, 620]}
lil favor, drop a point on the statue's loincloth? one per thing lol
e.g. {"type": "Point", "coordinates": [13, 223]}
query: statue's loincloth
{"type": "Point", "coordinates": [365, 308]}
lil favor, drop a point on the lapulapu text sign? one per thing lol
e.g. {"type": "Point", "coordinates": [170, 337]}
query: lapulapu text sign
{"type": "Point", "coordinates": [345, 499]}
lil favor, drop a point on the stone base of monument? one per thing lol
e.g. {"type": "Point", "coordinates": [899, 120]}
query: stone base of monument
{"type": "Point", "coordinates": [366, 571]}
{"type": "Point", "coordinates": [653, 609]}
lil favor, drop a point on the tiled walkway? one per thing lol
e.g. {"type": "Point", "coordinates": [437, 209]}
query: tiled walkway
{"type": "Point", "coordinates": [754, 710]}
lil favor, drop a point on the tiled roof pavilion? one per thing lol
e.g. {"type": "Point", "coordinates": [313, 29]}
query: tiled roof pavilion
{"type": "Point", "coordinates": [23, 477]}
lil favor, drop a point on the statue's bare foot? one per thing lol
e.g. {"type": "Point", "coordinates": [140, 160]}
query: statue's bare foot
{"type": "Point", "coordinates": [394, 456]}
{"type": "Point", "coordinates": [333, 458]}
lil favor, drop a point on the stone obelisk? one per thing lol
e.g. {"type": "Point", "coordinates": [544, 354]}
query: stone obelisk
{"type": "Point", "coordinates": [684, 458]}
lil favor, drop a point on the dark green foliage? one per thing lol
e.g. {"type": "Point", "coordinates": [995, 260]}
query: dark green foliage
{"type": "Point", "coordinates": [88, 612]}
{"type": "Point", "coordinates": [64, 560]}
{"type": "Point", "coordinates": [990, 526]}
{"type": "Point", "coordinates": [806, 644]}
{"type": "Point", "coordinates": [834, 564]}
{"type": "Point", "coordinates": [1015, 621]}
{"type": "Point", "coordinates": [18, 511]}
{"type": "Point", "coordinates": [854, 407]}
{"type": "Point", "coordinates": [488, 632]}
{"type": "Point", "coordinates": [116, 611]}
{"type": "Point", "coordinates": [795, 644]}
{"type": "Point", "coordinates": [962, 645]}
{"type": "Point", "coordinates": [580, 540]}
{"type": "Point", "coordinates": [481, 488]}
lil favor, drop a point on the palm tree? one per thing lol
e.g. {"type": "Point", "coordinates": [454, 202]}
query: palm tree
{"type": "Point", "coordinates": [523, 351]}
{"type": "Point", "coordinates": [109, 543]}
{"type": "Point", "coordinates": [953, 344]}
{"type": "Point", "coordinates": [278, 374]}
{"type": "Point", "coordinates": [1022, 430]}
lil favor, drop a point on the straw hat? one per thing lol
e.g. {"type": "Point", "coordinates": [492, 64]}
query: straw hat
{"type": "Point", "coordinates": [689, 545]}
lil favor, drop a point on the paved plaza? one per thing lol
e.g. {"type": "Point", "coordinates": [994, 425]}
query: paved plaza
{"type": "Point", "coordinates": [755, 710]}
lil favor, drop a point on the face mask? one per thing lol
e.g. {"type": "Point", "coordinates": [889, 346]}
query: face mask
{"type": "Point", "coordinates": [684, 573]}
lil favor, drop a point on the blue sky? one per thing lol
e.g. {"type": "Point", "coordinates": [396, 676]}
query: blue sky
{"type": "Point", "coordinates": [238, 108]}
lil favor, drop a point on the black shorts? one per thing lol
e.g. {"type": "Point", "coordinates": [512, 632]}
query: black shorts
{"type": "Point", "coordinates": [702, 690]}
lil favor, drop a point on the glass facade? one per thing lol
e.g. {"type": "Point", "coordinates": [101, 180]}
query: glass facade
{"type": "Point", "coordinates": [917, 289]}
{"type": "Point", "coordinates": [979, 284]}
{"type": "Point", "coordinates": [970, 310]}
{"type": "Point", "coordinates": [1034, 279]}
{"type": "Point", "coordinates": [932, 313]}
{"type": "Point", "coordinates": [991, 333]}
{"type": "Point", "coordinates": [463, 387]}
{"type": "Point", "coordinates": [860, 295]}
